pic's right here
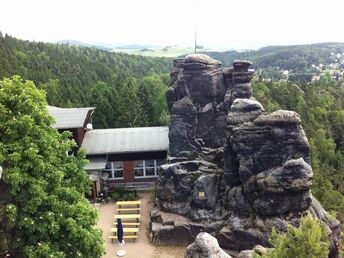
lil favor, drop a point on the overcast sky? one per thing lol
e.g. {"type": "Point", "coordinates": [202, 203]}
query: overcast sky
{"type": "Point", "coordinates": [239, 24]}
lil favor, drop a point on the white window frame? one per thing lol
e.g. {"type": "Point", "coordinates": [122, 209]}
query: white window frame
{"type": "Point", "coordinates": [143, 167]}
{"type": "Point", "coordinates": [117, 169]}
{"type": "Point", "coordinates": [144, 171]}
{"type": "Point", "coordinates": [113, 169]}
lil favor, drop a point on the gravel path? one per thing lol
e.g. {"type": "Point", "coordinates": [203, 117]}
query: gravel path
{"type": "Point", "coordinates": [141, 248]}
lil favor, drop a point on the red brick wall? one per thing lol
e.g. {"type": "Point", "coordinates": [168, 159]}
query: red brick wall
{"type": "Point", "coordinates": [128, 167]}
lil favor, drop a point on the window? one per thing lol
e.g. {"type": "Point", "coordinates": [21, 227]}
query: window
{"type": "Point", "coordinates": [118, 169]}
{"type": "Point", "coordinates": [139, 168]}
{"type": "Point", "coordinates": [107, 170]}
{"type": "Point", "coordinates": [150, 167]}
{"type": "Point", "coordinates": [147, 168]}
{"type": "Point", "coordinates": [115, 170]}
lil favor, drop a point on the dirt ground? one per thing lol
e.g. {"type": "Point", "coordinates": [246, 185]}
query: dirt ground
{"type": "Point", "coordinates": [141, 248]}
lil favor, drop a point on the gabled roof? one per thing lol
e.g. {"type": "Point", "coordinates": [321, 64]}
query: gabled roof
{"type": "Point", "coordinates": [126, 140]}
{"type": "Point", "coordinates": [96, 163]}
{"type": "Point", "coordinates": [66, 118]}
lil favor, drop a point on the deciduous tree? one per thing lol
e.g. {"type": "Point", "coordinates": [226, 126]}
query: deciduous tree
{"type": "Point", "coordinates": [46, 214]}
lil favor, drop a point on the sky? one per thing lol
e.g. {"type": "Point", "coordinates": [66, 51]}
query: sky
{"type": "Point", "coordinates": [231, 24]}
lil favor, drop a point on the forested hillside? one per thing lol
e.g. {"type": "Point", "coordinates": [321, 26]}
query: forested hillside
{"type": "Point", "coordinates": [321, 107]}
{"type": "Point", "coordinates": [301, 61]}
{"type": "Point", "coordinates": [115, 83]}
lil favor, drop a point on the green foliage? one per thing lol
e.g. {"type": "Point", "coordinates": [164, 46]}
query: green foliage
{"type": "Point", "coordinates": [164, 118]}
{"type": "Point", "coordinates": [309, 240]}
{"type": "Point", "coordinates": [123, 195]}
{"type": "Point", "coordinates": [152, 93]}
{"type": "Point", "coordinates": [46, 214]}
{"type": "Point", "coordinates": [131, 112]}
{"type": "Point", "coordinates": [83, 76]}
{"type": "Point", "coordinates": [116, 196]}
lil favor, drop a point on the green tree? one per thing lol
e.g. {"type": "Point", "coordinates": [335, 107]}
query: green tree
{"type": "Point", "coordinates": [309, 240]}
{"type": "Point", "coordinates": [46, 214]}
{"type": "Point", "coordinates": [52, 88]}
{"type": "Point", "coordinates": [164, 118]}
{"type": "Point", "coordinates": [131, 112]}
{"type": "Point", "coordinates": [152, 93]}
{"type": "Point", "coordinates": [337, 122]}
{"type": "Point", "coordinates": [104, 98]}
{"type": "Point", "coordinates": [72, 75]}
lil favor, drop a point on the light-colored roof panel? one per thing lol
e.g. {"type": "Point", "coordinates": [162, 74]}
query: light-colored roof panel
{"type": "Point", "coordinates": [69, 117]}
{"type": "Point", "coordinates": [97, 163]}
{"type": "Point", "coordinates": [126, 140]}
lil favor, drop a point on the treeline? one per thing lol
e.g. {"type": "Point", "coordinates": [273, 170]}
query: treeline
{"type": "Point", "coordinates": [321, 107]}
{"type": "Point", "coordinates": [298, 57]}
{"type": "Point", "coordinates": [269, 61]}
{"type": "Point", "coordinates": [115, 83]}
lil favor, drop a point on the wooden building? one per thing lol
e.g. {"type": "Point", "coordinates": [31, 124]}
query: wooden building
{"type": "Point", "coordinates": [125, 156]}
{"type": "Point", "coordinates": [75, 120]}
{"type": "Point", "coordinates": [119, 157]}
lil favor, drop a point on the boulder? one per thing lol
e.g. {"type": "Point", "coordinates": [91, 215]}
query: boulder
{"type": "Point", "coordinates": [172, 229]}
{"type": "Point", "coordinates": [258, 249]}
{"type": "Point", "coordinates": [205, 246]}
{"type": "Point", "coordinates": [246, 254]}
{"type": "Point", "coordinates": [190, 188]}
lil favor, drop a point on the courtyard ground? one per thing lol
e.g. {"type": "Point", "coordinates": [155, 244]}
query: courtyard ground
{"type": "Point", "coordinates": [141, 248]}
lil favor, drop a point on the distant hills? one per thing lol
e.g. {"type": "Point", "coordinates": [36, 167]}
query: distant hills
{"type": "Point", "coordinates": [83, 44]}
{"type": "Point", "coordinates": [107, 46]}
{"type": "Point", "coordinates": [139, 49]}
{"type": "Point", "coordinates": [295, 57]}
{"type": "Point", "coordinates": [294, 63]}
{"type": "Point", "coordinates": [272, 63]}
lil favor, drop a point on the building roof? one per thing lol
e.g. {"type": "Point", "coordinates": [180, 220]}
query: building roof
{"type": "Point", "coordinates": [66, 118]}
{"type": "Point", "coordinates": [96, 163]}
{"type": "Point", "coordinates": [126, 140]}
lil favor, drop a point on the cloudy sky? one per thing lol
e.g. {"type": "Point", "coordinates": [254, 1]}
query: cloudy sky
{"type": "Point", "coordinates": [219, 23]}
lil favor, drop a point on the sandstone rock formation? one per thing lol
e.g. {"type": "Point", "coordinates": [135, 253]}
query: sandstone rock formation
{"type": "Point", "coordinates": [233, 170]}
{"type": "Point", "coordinates": [205, 246]}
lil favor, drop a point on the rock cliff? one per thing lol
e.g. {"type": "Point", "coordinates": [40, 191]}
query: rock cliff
{"type": "Point", "coordinates": [233, 170]}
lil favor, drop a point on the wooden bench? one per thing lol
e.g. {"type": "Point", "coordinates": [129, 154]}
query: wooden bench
{"type": "Point", "coordinates": [124, 237]}
{"type": "Point", "coordinates": [128, 209]}
{"type": "Point", "coordinates": [136, 224]}
{"type": "Point", "coordinates": [128, 203]}
{"type": "Point", "coordinates": [126, 230]}
{"type": "Point", "coordinates": [126, 217]}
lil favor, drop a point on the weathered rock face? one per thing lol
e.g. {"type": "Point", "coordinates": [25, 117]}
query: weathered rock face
{"type": "Point", "coordinates": [234, 170]}
{"type": "Point", "coordinates": [205, 246]}
{"type": "Point", "coordinates": [273, 152]}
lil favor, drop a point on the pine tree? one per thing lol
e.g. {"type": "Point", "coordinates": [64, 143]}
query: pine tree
{"type": "Point", "coordinates": [130, 107]}
{"type": "Point", "coordinates": [309, 240]}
